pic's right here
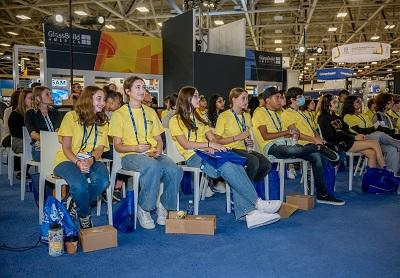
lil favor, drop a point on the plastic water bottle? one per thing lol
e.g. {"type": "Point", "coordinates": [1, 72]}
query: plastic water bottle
{"type": "Point", "coordinates": [56, 241]}
{"type": "Point", "coordinates": [293, 131]}
{"type": "Point", "coordinates": [249, 145]}
{"type": "Point", "coordinates": [190, 208]}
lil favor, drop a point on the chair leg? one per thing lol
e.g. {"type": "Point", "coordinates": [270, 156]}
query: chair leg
{"type": "Point", "coordinates": [135, 186]}
{"type": "Point", "coordinates": [312, 182]}
{"type": "Point", "coordinates": [177, 201]}
{"type": "Point", "coordinates": [351, 165]}
{"type": "Point", "coordinates": [23, 179]}
{"type": "Point", "coordinates": [41, 197]}
{"type": "Point", "coordinates": [203, 185]}
{"type": "Point", "coordinates": [266, 184]}
{"type": "Point", "coordinates": [228, 199]}
{"type": "Point", "coordinates": [11, 168]}
{"type": "Point", "coordinates": [281, 180]}
{"type": "Point", "coordinates": [109, 205]}
{"type": "Point", "coordinates": [58, 186]}
{"type": "Point", "coordinates": [305, 174]}
{"type": "Point", "coordinates": [196, 189]}
{"type": "Point", "coordinates": [98, 209]}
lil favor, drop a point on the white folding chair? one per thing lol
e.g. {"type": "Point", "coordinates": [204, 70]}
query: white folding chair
{"type": "Point", "coordinates": [49, 142]}
{"type": "Point", "coordinates": [2, 149]}
{"type": "Point", "coordinates": [26, 159]}
{"type": "Point", "coordinates": [281, 169]}
{"type": "Point", "coordinates": [11, 156]}
{"type": "Point", "coordinates": [199, 176]}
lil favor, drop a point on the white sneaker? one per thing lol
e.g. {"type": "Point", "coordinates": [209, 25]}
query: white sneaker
{"type": "Point", "coordinates": [220, 187]}
{"type": "Point", "coordinates": [271, 206]}
{"type": "Point", "coordinates": [162, 214]}
{"type": "Point", "coordinates": [209, 192]}
{"type": "Point", "coordinates": [145, 219]}
{"type": "Point", "coordinates": [257, 218]}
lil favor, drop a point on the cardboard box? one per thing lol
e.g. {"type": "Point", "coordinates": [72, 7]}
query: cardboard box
{"type": "Point", "coordinates": [191, 224]}
{"type": "Point", "coordinates": [98, 238]}
{"type": "Point", "coordinates": [304, 202]}
{"type": "Point", "coordinates": [287, 210]}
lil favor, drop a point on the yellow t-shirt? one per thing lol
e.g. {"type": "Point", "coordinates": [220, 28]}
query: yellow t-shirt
{"type": "Point", "coordinates": [369, 114]}
{"type": "Point", "coordinates": [177, 128]}
{"type": "Point", "coordinates": [121, 126]}
{"type": "Point", "coordinates": [271, 121]}
{"type": "Point", "coordinates": [311, 117]}
{"type": "Point", "coordinates": [71, 127]}
{"type": "Point", "coordinates": [396, 118]}
{"type": "Point", "coordinates": [203, 114]}
{"type": "Point", "coordinates": [164, 113]}
{"type": "Point", "coordinates": [299, 119]}
{"type": "Point", "coordinates": [357, 120]}
{"type": "Point", "coordinates": [228, 126]}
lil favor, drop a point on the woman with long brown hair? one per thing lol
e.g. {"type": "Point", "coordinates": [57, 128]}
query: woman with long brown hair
{"type": "Point", "coordinates": [233, 130]}
{"type": "Point", "coordinates": [136, 131]}
{"type": "Point", "coordinates": [190, 131]}
{"type": "Point", "coordinates": [41, 117]}
{"type": "Point", "coordinates": [84, 137]}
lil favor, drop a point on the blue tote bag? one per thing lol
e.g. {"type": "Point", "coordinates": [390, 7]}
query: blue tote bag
{"type": "Point", "coordinates": [217, 159]}
{"type": "Point", "coordinates": [124, 216]}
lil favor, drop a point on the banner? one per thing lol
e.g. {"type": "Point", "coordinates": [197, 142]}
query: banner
{"type": "Point", "coordinates": [263, 66]}
{"type": "Point", "coordinates": [362, 52]}
{"type": "Point", "coordinates": [334, 73]}
{"type": "Point", "coordinates": [103, 51]}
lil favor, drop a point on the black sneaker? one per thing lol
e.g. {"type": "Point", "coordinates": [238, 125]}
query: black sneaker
{"type": "Point", "coordinates": [117, 196]}
{"type": "Point", "coordinates": [86, 222]}
{"type": "Point", "coordinates": [329, 200]}
{"type": "Point", "coordinates": [71, 207]}
{"type": "Point", "coordinates": [328, 153]}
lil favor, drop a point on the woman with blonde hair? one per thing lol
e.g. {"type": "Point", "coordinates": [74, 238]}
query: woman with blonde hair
{"type": "Point", "coordinates": [42, 117]}
{"type": "Point", "coordinates": [83, 135]}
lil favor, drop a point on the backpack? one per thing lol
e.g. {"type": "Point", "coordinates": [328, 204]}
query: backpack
{"type": "Point", "coordinates": [124, 216]}
{"type": "Point", "coordinates": [330, 178]}
{"type": "Point", "coordinates": [378, 181]}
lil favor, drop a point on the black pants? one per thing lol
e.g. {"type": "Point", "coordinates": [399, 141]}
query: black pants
{"type": "Point", "coordinates": [257, 166]}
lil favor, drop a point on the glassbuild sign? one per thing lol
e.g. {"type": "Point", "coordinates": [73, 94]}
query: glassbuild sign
{"type": "Point", "coordinates": [102, 51]}
{"type": "Point", "coordinates": [263, 66]}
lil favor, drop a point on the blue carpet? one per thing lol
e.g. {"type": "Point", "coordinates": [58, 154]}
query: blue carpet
{"type": "Point", "coordinates": [360, 239]}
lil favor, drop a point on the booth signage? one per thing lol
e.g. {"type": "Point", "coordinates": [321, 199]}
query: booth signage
{"type": "Point", "coordinates": [59, 83]}
{"type": "Point", "coordinates": [102, 51]}
{"type": "Point", "coordinates": [362, 52]}
{"type": "Point", "coordinates": [334, 73]}
{"type": "Point", "coordinates": [263, 66]}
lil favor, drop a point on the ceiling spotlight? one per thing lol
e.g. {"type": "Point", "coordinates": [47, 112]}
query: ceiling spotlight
{"type": "Point", "coordinates": [319, 50]}
{"type": "Point", "coordinates": [41, 42]}
{"type": "Point", "coordinates": [101, 20]}
{"type": "Point", "coordinates": [375, 37]}
{"type": "Point", "coordinates": [93, 20]}
{"type": "Point", "coordinates": [59, 18]}
{"type": "Point", "coordinates": [159, 24]}
{"type": "Point", "coordinates": [302, 49]}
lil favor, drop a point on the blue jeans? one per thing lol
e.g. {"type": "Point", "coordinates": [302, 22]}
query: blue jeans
{"type": "Point", "coordinates": [307, 152]}
{"type": "Point", "coordinates": [244, 194]}
{"type": "Point", "coordinates": [390, 147]}
{"type": "Point", "coordinates": [153, 171]}
{"type": "Point", "coordinates": [35, 154]}
{"type": "Point", "coordinates": [83, 192]}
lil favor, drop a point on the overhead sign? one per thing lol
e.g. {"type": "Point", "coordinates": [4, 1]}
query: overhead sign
{"type": "Point", "coordinates": [362, 52]}
{"type": "Point", "coordinates": [263, 66]}
{"type": "Point", "coordinates": [334, 73]}
{"type": "Point", "coordinates": [59, 83]}
{"type": "Point", "coordinates": [102, 51]}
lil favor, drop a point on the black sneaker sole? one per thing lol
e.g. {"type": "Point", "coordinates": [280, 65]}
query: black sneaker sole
{"type": "Point", "coordinates": [329, 154]}
{"type": "Point", "coordinates": [331, 203]}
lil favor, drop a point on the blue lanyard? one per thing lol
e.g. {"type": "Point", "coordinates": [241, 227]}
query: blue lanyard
{"type": "Point", "coordinates": [241, 124]}
{"type": "Point", "coordinates": [195, 131]}
{"type": "Point", "coordinates": [278, 128]}
{"type": "Point", "coordinates": [134, 123]}
{"type": "Point", "coordinates": [306, 118]}
{"type": "Point", "coordinates": [86, 136]}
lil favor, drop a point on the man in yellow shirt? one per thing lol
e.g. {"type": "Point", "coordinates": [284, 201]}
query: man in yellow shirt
{"type": "Point", "coordinates": [370, 111]}
{"type": "Point", "coordinates": [275, 139]}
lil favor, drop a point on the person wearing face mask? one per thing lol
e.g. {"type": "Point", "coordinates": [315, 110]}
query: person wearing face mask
{"type": "Point", "coordinates": [41, 117]}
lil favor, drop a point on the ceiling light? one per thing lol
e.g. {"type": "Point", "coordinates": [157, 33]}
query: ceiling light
{"type": "Point", "coordinates": [279, 1]}
{"type": "Point", "coordinates": [159, 24]}
{"type": "Point", "coordinates": [41, 42]}
{"type": "Point", "coordinates": [344, 14]}
{"type": "Point", "coordinates": [312, 59]}
{"type": "Point", "coordinates": [319, 50]}
{"type": "Point", "coordinates": [101, 19]}
{"type": "Point", "coordinates": [25, 58]}
{"type": "Point", "coordinates": [360, 70]}
{"type": "Point", "coordinates": [37, 68]}
{"type": "Point", "coordinates": [5, 44]}
{"type": "Point", "coordinates": [92, 20]}
{"type": "Point", "coordinates": [389, 70]}
{"type": "Point", "coordinates": [374, 63]}
{"type": "Point", "coordinates": [390, 26]}
{"type": "Point", "coordinates": [278, 49]}
{"type": "Point", "coordinates": [395, 51]}
{"type": "Point", "coordinates": [81, 13]}
{"type": "Point", "coordinates": [12, 33]}
{"type": "Point", "coordinates": [375, 37]}
{"type": "Point", "coordinates": [366, 67]}
{"type": "Point", "coordinates": [1, 53]}
{"type": "Point", "coordinates": [306, 68]}
{"type": "Point", "coordinates": [308, 64]}
{"type": "Point", "coordinates": [302, 49]}
{"type": "Point", "coordinates": [278, 31]}
{"type": "Point", "coordinates": [59, 18]}
{"type": "Point", "coordinates": [398, 66]}
{"type": "Point", "coordinates": [277, 41]}
{"type": "Point", "coordinates": [332, 29]}
{"type": "Point", "coordinates": [23, 17]}
{"type": "Point", "coordinates": [110, 26]}
{"type": "Point", "coordinates": [142, 9]}
{"type": "Point", "coordinates": [219, 22]}
{"type": "Point", "coordinates": [278, 17]}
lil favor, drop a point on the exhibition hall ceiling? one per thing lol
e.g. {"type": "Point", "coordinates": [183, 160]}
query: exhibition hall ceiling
{"type": "Point", "coordinates": [272, 25]}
